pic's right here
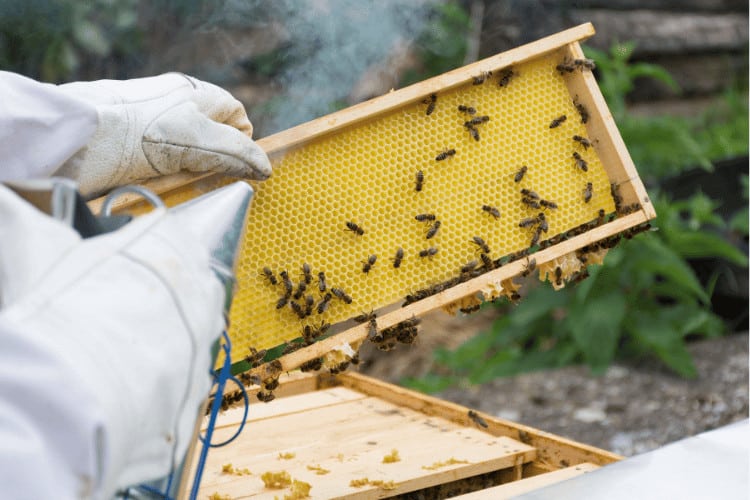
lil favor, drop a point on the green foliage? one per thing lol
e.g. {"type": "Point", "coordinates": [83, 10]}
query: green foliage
{"type": "Point", "coordinates": [50, 39]}
{"type": "Point", "coordinates": [645, 300]}
{"type": "Point", "coordinates": [667, 145]}
{"type": "Point", "coordinates": [442, 44]}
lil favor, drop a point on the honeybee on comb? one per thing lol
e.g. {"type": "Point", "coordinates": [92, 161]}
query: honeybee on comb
{"type": "Point", "coordinates": [481, 77]}
{"type": "Point", "coordinates": [521, 172]}
{"type": "Point", "coordinates": [428, 252]}
{"type": "Point", "coordinates": [581, 110]}
{"type": "Point", "coordinates": [420, 181]}
{"type": "Point", "coordinates": [351, 226]}
{"type": "Point", "coordinates": [580, 162]}
{"type": "Point", "coordinates": [445, 154]}
{"type": "Point", "coordinates": [398, 258]}
{"type": "Point", "coordinates": [306, 273]}
{"type": "Point", "coordinates": [481, 244]}
{"type": "Point", "coordinates": [433, 230]}
{"type": "Point", "coordinates": [505, 76]}
{"type": "Point", "coordinates": [367, 265]}
{"type": "Point", "coordinates": [268, 274]}
{"type": "Point", "coordinates": [494, 212]}
{"type": "Point", "coordinates": [473, 132]}
{"type": "Point", "coordinates": [430, 101]}
{"type": "Point", "coordinates": [558, 121]}
{"type": "Point", "coordinates": [341, 295]}
{"type": "Point", "coordinates": [582, 140]}
{"type": "Point", "coordinates": [588, 192]}
{"type": "Point", "coordinates": [424, 217]}
{"type": "Point", "coordinates": [466, 109]}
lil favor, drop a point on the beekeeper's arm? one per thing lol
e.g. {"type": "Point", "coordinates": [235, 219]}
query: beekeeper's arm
{"type": "Point", "coordinates": [104, 342]}
{"type": "Point", "coordinates": [110, 133]}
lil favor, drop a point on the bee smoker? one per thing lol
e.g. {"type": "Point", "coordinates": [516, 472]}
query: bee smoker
{"type": "Point", "coordinates": [216, 218]}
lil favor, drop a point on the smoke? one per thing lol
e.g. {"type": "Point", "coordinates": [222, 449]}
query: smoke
{"type": "Point", "coordinates": [328, 44]}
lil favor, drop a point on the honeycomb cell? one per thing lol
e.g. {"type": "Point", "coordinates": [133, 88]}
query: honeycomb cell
{"type": "Point", "coordinates": [366, 173]}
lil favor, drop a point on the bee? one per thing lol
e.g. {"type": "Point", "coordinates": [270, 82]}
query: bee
{"type": "Point", "coordinates": [558, 121]}
{"type": "Point", "coordinates": [477, 120]}
{"type": "Point", "coordinates": [323, 304]}
{"type": "Point", "coordinates": [531, 203]}
{"type": "Point", "coordinates": [536, 236]}
{"type": "Point", "coordinates": [529, 268]}
{"type": "Point", "coordinates": [466, 109]}
{"type": "Point", "coordinates": [351, 226]}
{"type": "Point", "coordinates": [445, 154]}
{"type": "Point", "coordinates": [420, 181]}
{"type": "Point", "coordinates": [372, 331]}
{"type": "Point", "coordinates": [558, 276]}
{"type": "Point", "coordinates": [528, 222]}
{"type": "Point", "coordinates": [309, 304]}
{"type": "Point", "coordinates": [321, 281]}
{"type": "Point", "coordinates": [428, 252]}
{"type": "Point", "coordinates": [256, 357]}
{"type": "Point", "coordinates": [585, 64]}
{"type": "Point", "coordinates": [601, 217]}
{"type": "Point", "coordinates": [548, 204]}
{"type": "Point", "coordinates": [339, 293]}
{"type": "Point", "coordinates": [580, 276]}
{"type": "Point", "coordinates": [588, 192]}
{"type": "Point", "coordinates": [430, 101]}
{"type": "Point", "coordinates": [470, 309]}
{"type": "Point", "coordinates": [367, 265]}
{"type": "Point", "coordinates": [479, 79]}
{"type": "Point", "coordinates": [268, 274]}
{"type": "Point", "coordinates": [287, 283]}
{"type": "Point", "coordinates": [297, 309]}
{"type": "Point", "coordinates": [584, 142]}
{"type": "Point", "coordinates": [306, 273]}
{"type": "Point", "coordinates": [283, 300]}
{"type": "Point", "coordinates": [469, 266]}
{"type": "Point", "coordinates": [481, 244]}
{"type": "Point", "coordinates": [365, 317]}
{"type": "Point", "coordinates": [492, 211]}
{"type": "Point", "coordinates": [566, 66]}
{"type": "Point", "coordinates": [477, 419]}
{"type": "Point", "coordinates": [300, 290]}
{"type": "Point", "coordinates": [487, 261]}
{"type": "Point", "coordinates": [266, 397]}
{"type": "Point", "coordinates": [398, 258]}
{"type": "Point", "coordinates": [472, 131]}
{"type": "Point", "coordinates": [505, 77]}
{"type": "Point", "coordinates": [614, 189]}
{"type": "Point", "coordinates": [543, 226]}
{"type": "Point", "coordinates": [521, 172]}
{"type": "Point", "coordinates": [433, 230]}
{"type": "Point", "coordinates": [425, 217]}
{"type": "Point", "coordinates": [530, 194]}
{"type": "Point", "coordinates": [581, 110]}
{"type": "Point", "coordinates": [312, 365]}
{"type": "Point", "coordinates": [580, 162]}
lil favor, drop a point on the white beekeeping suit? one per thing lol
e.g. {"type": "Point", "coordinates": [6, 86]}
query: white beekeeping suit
{"type": "Point", "coordinates": [104, 342]}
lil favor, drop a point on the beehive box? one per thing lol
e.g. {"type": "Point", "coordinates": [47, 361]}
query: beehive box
{"type": "Point", "coordinates": [345, 191]}
{"type": "Point", "coordinates": [334, 433]}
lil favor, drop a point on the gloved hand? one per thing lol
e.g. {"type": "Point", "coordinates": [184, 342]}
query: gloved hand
{"type": "Point", "coordinates": [104, 352]}
{"type": "Point", "coordinates": [160, 125]}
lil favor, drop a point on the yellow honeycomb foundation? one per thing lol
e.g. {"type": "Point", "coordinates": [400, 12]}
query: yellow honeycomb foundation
{"type": "Point", "coordinates": [366, 175]}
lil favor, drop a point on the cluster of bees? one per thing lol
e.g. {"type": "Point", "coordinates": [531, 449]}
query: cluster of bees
{"type": "Point", "coordinates": [303, 301]}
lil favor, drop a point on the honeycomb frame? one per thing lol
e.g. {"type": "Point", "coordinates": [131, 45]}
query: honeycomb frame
{"type": "Point", "coordinates": [285, 243]}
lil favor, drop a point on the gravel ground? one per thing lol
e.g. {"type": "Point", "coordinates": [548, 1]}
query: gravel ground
{"type": "Point", "coordinates": [631, 409]}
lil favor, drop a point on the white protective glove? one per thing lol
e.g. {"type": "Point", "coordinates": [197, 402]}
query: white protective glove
{"type": "Point", "coordinates": [160, 125]}
{"type": "Point", "coordinates": [104, 351]}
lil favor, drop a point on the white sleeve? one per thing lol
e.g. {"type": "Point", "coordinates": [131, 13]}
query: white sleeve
{"type": "Point", "coordinates": [48, 425]}
{"type": "Point", "coordinates": [40, 127]}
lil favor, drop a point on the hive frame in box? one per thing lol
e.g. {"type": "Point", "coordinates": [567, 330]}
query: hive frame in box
{"type": "Point", "coordinates": [390, 415]}
{"type": "Point", "coordinates": [610, 148]}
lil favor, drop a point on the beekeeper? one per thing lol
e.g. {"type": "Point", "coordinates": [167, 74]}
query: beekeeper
{"type": "Point", "coordinates": [104, 342]}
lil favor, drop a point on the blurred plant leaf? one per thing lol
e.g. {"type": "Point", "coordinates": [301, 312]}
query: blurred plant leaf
{"type": "Point", "coordinates": [595, 326]}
